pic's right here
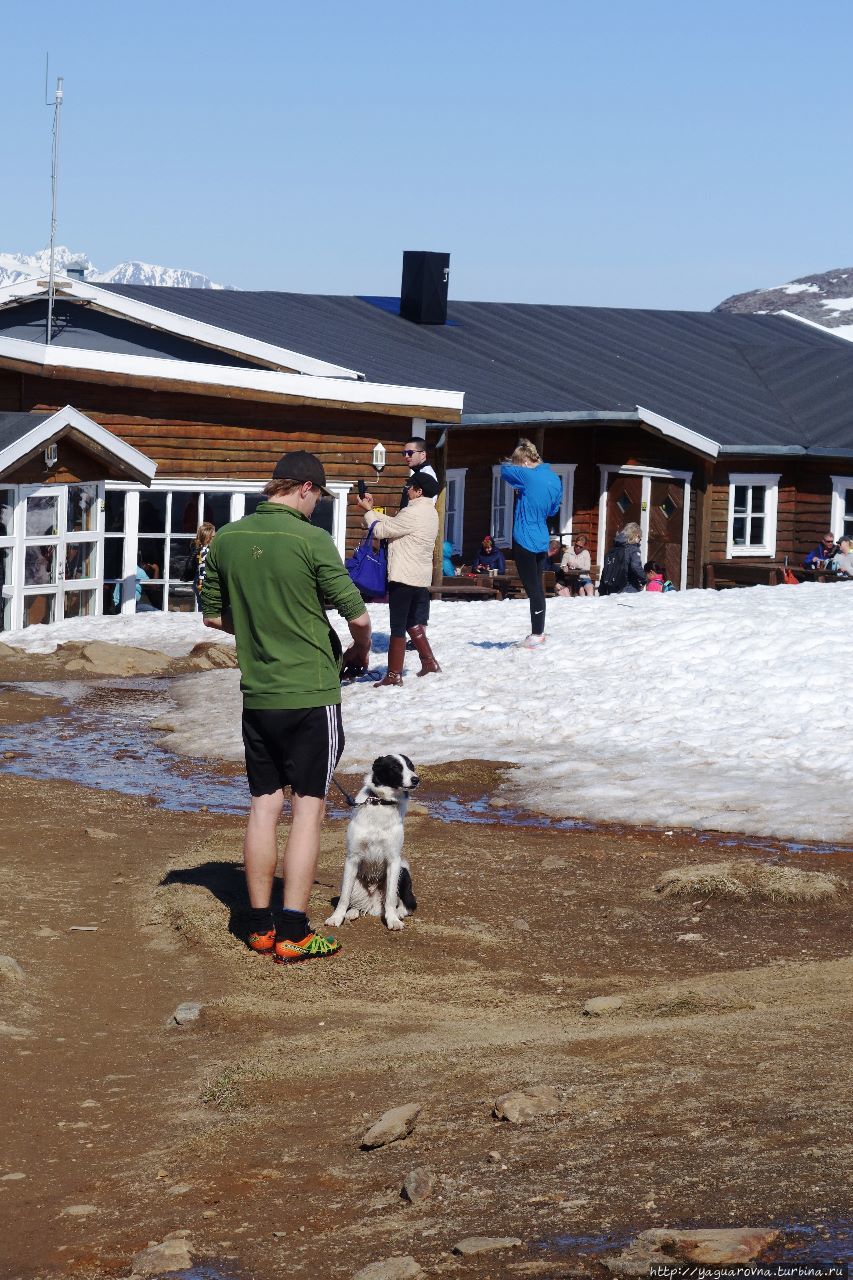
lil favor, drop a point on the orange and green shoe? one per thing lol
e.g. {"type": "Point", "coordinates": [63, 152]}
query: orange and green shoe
{"type": "Point", "coordinates": [312, 946]}
{"type": "Point", "coordinates": [263, 943]}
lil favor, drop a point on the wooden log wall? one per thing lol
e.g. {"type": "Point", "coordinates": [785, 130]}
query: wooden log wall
{"type": "Point", "coordinates": [198, 438]}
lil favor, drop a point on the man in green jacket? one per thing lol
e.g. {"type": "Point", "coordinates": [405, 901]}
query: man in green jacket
{"type": "Point", "coordinates": [267, 581]}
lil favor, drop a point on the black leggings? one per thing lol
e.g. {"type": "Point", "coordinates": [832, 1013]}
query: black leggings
{"type": "Point", "coordinates": [531, 567]}
{"type": "Point", "coordinates": [407, 606]}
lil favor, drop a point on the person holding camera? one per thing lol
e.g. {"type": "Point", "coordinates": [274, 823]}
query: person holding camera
{"type": "Point", "coordinates": [266, 578]}
{"type": "Point", "coordinates": [411, 536]}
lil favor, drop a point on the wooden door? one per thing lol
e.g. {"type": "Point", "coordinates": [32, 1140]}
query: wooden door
{"type": "Point", "coordinates": [666, 526]}
{"type": "Point", "coordinates": [624, 503]}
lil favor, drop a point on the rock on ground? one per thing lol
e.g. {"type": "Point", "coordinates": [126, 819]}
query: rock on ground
{"type": "Point", "coordinates": [397, 1268]}
{"type": "Point", "coordinates": [484, 1244]}
{"type": "Point", "coordinates": [708, 1246]}
{"type": "Point", "coordinates": [10, 970]}
{"type": "Point", "coordinates": [395, 1124]}
{"type": "Point", "coordinates": [173, 1254]}
{"type": "Point", "coordinates": [524, 1104]}
{"type": "Point", "coordinates": [418, 1185]}
{"type": "Point", "coordinates": [189, 1011]}
{"type": "Point", "coordinates": [600, 1005]}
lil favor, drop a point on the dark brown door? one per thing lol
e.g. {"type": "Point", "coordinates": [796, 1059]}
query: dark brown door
{"type": "Point", "coordinates": [624, 502]}
{"type": "Point", "coordinates": [666, 526]}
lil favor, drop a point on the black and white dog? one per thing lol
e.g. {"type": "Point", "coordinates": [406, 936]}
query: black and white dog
{"type": "Point", "coordinates": [377, 879]}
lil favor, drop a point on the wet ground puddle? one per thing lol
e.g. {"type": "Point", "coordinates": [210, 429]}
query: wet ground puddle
{"type": "Point", "coordinates": [106, 740]}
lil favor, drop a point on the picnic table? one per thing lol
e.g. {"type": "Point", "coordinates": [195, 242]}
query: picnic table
{"type": "Point", "coordinates": [465, 589]}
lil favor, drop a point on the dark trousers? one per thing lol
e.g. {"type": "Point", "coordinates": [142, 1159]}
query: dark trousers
{"type": "Point", "coordinates": [531, 567]}
{"type": "Point", "coordinates": [407, 607]}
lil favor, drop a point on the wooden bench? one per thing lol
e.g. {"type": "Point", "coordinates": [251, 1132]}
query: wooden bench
{"type": "Point", "coordinates": [720, 574]}
{"type": "Point", "coordinates": [464, 589]}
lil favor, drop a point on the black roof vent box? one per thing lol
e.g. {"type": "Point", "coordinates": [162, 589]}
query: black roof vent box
{"type": "Point", "coordinates": [423, 293]}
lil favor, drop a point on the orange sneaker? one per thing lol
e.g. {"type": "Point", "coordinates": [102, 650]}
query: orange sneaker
{"type": "Point", "coordinates": [311, 946]}
{"type": "Point", "coordinates": [263, 943]}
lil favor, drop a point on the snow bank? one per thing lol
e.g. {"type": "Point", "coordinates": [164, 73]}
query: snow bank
{"type": "Point", "coordinates": [728, 711]}
{"type": "Point", "coordinates": [170, 633]}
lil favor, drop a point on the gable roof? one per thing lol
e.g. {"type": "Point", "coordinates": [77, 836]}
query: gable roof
{"type": "Point", "coordinates": [760, 382]}
{"type": "Point", "coordinates": [23, 434]}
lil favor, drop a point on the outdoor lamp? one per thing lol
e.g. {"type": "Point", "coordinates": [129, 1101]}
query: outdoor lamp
{"type": "Point", "coordinates": [378, 457]}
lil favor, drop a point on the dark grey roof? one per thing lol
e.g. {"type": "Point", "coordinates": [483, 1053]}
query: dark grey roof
{"type": "Point", "coordinates": [13, 426]}
{"type": "Point", "coordinates": [741, 380]}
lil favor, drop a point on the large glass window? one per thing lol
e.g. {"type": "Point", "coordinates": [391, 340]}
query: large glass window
{"type": "Point", "coordinates": [502, 503]}
{"type": "Point", "coordinates": [841, 518]}
{"type": "Point", "coordinates": [454, 507]}
{"type": "Point", "coordinates": [8, 501]}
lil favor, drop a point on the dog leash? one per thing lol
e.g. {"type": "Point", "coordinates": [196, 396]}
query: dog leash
{"type": "Point", "coordinates": [350, 801]}
{"type": "Point", "coordinates": [354, 803]}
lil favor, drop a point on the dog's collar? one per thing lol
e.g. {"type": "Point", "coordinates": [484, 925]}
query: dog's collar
{"type": "Point", "coordinates": [375, 800]}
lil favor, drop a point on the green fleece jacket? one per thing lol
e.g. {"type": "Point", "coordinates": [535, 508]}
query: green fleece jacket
{"type": "Point", "coordinates": [275, 572]}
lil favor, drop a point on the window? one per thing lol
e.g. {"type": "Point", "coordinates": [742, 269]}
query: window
{"type": "Point", "coordinates": [454, 507]}
{"type": "Point", "coordinates": [8, 503]}
{"type": "Point", "coordinates": [841, 517]}
{"type": "Point", "coordinates": [502, 503]}
{"type": "Point", "coordinates": [752, 515]}
{"type": "Point", "coordinates": [563, 519]}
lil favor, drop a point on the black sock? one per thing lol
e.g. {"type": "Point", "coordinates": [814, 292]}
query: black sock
{"type": "Point", "coordinates": [258, 919]}
{"type": "Point", "coordinates": [290, 926]}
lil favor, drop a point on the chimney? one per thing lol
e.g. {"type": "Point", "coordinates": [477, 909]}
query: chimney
{"type": "Point", "coordinates": [76, 271]}
{"type": "Point", "coordinates": [423, 293]}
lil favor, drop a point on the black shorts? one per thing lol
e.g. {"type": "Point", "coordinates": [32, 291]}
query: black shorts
{"type": "Point", "coordinates": [297, 748]}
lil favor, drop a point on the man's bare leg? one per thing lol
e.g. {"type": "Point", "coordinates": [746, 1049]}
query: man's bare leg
{"type": "Point", "coordinates": [260, 848]}
{"type": "Point", "coordinates": [302, 851]}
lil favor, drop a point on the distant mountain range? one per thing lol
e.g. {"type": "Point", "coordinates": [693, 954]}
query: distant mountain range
{"type": "Point", "coordinates": [22, 266]}
{"type": "Point", "coordinates": [825, 298]}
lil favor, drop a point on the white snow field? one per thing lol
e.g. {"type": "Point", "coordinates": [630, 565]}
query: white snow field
{"type": "Point", "coordinates": [728, 711]}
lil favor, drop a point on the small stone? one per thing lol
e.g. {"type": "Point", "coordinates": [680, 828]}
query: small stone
{"type": "Point", "coordinates": [393, 1125]}
{"type": "Point", "coordinates": [189, 1011]}
{"type": "Point", "coordinates": [600, 1005]}
{"type": "Point", "coordinates": [418, 1185]}
{"type": "Point", "coordinates": [484, 1244]}
{"type": "Point", "coordinates": [10, 970]}
{"type": "Point", "coordinates": [495, 1157]}
{"type": "Point", "coordinates": [417, 810]}
{"type": "Point", "coordinates": [211, 1213]}
{"type": "Point", "coordinates": [553, 864]}
{"type": "Point", "coordinates": [400, 1267]}
{"type": "Point", "coordinates": [689, 937]}
{"type": "Point", "coordinates": [83, 928]}
{"type": "Point", "coordinates": [524, 1104]}
{"type": "Point", "coordinates": [95, 833]}
{"type": "Point", "coordinates": [521, 925]}
{"type": "Point", "coordinates": [10, 755]}
{"type": "Point", "coordinates": [79, 1210]}
{"type": "Point", "coordinates": [90, 1102]}
{"type": "Point", "coordinates": [12, 1177]}
{"type": "Point", "coordinates": [173, 1254]}
{"type": "Point", "coordinates": [179, 1189]}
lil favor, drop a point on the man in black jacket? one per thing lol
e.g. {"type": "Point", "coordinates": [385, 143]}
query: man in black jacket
{"type": "Point", "coordinates": [415, 453]}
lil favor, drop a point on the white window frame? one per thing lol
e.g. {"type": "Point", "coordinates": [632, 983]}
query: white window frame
{"type": "Point", "coordinates": [840, 485]}
{"type": "Point", "coordinates": [749, 479]}
{"type": "Point", "coordinates": [15, 562]}
{"type": "Point", "coordinates": [649, 474]}
{"type": "Point", "coordinates": [455, 476]}
{"type": "Point", "coordinates": [566, 472]}
{"type": "Point", "coordinates": [503, 539]}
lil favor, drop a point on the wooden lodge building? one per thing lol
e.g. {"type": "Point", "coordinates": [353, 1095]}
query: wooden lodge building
{"type": "Point", "coordinates": [728, 438]}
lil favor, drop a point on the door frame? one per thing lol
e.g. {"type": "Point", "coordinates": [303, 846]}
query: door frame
{"type": "Point", "coordinates": [60, 540]}
{"type": "Point", "coordinates": [608, 469]}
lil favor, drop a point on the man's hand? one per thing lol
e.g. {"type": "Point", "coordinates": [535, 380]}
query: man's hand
{"type": "Point", "coordinates": [366, 503]}
{"type": "Point", "coordinates": [356, 662]}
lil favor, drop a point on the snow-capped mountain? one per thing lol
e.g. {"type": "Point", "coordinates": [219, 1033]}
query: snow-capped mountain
{"type": "Point", "coordinates": [826, 298]}
{"type": "Point", "coordinates": [22, 266]}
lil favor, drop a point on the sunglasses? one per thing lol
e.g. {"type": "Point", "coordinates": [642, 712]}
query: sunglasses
{"type": "Point", "coordinates": [410, 453]}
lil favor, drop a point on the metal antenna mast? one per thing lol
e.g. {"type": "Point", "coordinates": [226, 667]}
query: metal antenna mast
{"type": "Point", "coordinates": [54, 175]}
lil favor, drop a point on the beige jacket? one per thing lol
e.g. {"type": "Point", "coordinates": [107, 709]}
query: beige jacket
{"type": "Point", "coordinates": [411, 539]}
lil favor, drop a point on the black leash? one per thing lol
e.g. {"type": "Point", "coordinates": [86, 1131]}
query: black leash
{"type": "Point", "coordinates": [354, 803]}
{"type": "Point", "coordinates": [345, 794]}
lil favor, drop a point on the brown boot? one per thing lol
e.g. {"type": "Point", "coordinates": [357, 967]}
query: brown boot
{"type": "Point", "coordinates": [419, 640]}
{"type": "Point", "coordinates": [396, 658]}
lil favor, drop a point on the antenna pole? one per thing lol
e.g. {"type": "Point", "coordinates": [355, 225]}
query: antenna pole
{"type": "Point", "coordinates": [54, 175]}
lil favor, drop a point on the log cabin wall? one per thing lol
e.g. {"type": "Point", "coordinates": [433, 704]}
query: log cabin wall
{"type": "Point", "coordinates": [198, 437]}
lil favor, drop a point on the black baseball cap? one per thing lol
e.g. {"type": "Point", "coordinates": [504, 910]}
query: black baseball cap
{"type": "Point", "coordinates": [424, 481]}
{"type": "Point", "coordinates": [302, 466]}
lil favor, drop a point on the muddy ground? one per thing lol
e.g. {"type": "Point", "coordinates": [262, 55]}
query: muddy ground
{"type": "Point", "coordinates": [715, 1095]}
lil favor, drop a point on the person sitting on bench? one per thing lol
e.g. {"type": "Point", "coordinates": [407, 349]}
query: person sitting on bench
{"type": "Point", "coordinates": [489, 559]}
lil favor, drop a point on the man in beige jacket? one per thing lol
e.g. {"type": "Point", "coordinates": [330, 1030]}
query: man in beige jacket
{"type": "Point", "coordinates": [411, 539]}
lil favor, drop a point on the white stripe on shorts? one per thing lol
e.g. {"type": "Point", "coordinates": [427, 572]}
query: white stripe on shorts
{"type": "Point", "coordinates": [332, 725]}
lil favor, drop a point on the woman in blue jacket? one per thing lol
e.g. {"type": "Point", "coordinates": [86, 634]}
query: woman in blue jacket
{"type": "Point", "coordinates": [538, 496]}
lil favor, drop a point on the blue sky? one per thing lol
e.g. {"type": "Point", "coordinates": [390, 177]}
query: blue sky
{"type": "Point", "coordinates": [663, 153]}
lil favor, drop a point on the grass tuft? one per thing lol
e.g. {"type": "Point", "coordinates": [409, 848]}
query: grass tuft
{"type": "Point", "coordinates": [744, 879]}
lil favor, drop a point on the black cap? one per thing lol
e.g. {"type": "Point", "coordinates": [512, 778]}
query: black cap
{"type": "Point", "coordinates": [424, 481]}
{"type": "Point", "coordinates": [301, 466]}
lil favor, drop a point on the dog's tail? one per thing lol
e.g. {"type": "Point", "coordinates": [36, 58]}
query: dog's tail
{"type": "Point", "coordinates": [405, 891]}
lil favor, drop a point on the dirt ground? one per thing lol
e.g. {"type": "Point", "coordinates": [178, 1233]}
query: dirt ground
{"type": "Point", "coordinates": [714, 1096]}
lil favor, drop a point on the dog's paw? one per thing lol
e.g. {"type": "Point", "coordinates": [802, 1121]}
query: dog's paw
{"type": "Point", "coordinates": [353, 913]}
{"type": "Point", "coordinates": [393, 922]}
{"type": "Point", "coordinates": [335, 920]}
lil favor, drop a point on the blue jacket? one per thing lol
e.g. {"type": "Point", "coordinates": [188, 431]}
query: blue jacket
{"type": "Point", "coordinates": [820, 553]}
{"type": "Point", "coordinates": [447, 566]}
{"type": "Point", "coordinates": [495, 560]}
{"type": "Point", "coordinates": [539, 494]}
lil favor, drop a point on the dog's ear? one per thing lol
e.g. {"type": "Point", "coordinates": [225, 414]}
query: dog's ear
{"type": "Point", "coordinates": [408, 764]}
{"type": "Point", "coordinates": [387, 771]}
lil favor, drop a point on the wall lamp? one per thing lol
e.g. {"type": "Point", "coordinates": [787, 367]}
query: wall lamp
{"type": "Point", "coordinates": [378, 457]}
